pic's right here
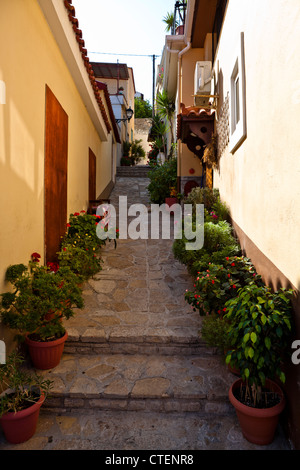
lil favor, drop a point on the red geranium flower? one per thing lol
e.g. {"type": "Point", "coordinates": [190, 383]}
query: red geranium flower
{"type": "Point", "coordinates": [35, 257]}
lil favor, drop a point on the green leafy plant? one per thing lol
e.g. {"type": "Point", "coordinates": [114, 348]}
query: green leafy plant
{"type": "Point", "coordinates": [219, 283]}
{"type": "Point", "coordinates": [81, 231]}
{"type": "Point", "coordinates": [21, 388]}
{"type": "Point", "coordinates": [41, 298]}
{"type": "Point", "coordinates": [260, 327]}
{"type": "Point", "coordinates": [142, 108]}
{"type": "Point", "coordinates": [166, 109]}
{"type": "Point", "coordinates": [169, 21]}
{"type": "Point", "coordinates": [206, 196]}
{"type": "Point", "coordinates": [214, 331]}
{"type": "Point", "coordinates": [137, 151]}
{"type": "Point", "coordinates": [125, 161]}
{"type": "Point", "coordinates": [162, 178]}
{"type": "Point", "coordinates": [219, 243]}
{"type": "Point", "coordinates": [84, 262]}
{"type": "Point", "coordinates": [81, 246]}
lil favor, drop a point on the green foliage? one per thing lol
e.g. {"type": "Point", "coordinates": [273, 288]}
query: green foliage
{"type": "Point", "coordinates": [214, 331]}
{"type": "Point", "coordinates": [23, 388]}
{"type": "Point", "coordinates": [260, 327]}
{"type": "Point", "coordinates": [166, 109]}
{"type": "Point", "coordinates": [162, 178]}
{"type": "Point", "coordinates": [126, 161]}
{"type": "Point", "coordinates": [218, 244]}
{"type": "Point", "coordinates": [169, 21]}
{"type": "Point", "coordinates": [219, 283]}
{"type": "Point", "coordinates": [133, 152]}
{"type": "Point", "coordinates": [142, 108]}
{"type": "Point", "coordinates": [80, 247]}
{"type": "Point", "coordinates": [137, 152]}
{"type": "Point", "coordinates": [126, 148]}
{"type": "Point", "coordinates": [40, 300]}
{"type": "Point", "coordinates": [206, 196]}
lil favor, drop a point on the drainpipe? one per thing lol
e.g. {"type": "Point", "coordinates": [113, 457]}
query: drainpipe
{"type": "Point", "coordinates": [181, 53]}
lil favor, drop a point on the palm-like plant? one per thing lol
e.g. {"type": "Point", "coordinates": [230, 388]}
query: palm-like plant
{"type": "Point", "coordinates": [166, 109]}
{"type": "Point", "coordinates": [169, 20]}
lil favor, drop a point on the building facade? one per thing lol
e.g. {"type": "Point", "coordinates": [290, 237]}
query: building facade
{"type": "Point", "coordinates": [235, 74]}
{"type": "Point", "coordinates": [57, 135]}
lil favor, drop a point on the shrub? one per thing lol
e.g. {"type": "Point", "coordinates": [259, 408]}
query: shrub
{"type": "Point", "coordinates": [80, 247]}
{"type": "Point", "coordinates": [219, 283]}
{"type": "Point", "coordinates": [218, 243]}
{"type": "Point", "coordinates": [162, 178]}
{"type": "Point", "coordinates": [214, 331]}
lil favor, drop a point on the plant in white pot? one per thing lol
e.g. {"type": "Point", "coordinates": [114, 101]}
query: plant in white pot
{"type": "Point", "coordinates": [259, 333]}
{"type": "Point", "coordinates": [23, 394]}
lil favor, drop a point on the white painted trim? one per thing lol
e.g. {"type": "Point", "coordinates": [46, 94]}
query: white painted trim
{"type": "Point", "coordinates": [238, 131]}
{"type": "Point", "coordinates": [57, 18]}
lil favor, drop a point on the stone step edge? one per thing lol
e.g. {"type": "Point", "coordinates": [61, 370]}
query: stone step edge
{"type": "Point", "coordinates": [79, 347]}
{"type": "Point", "coordinates": [201, 404]}
{"type": "Point", "coordinates": [130, 342]}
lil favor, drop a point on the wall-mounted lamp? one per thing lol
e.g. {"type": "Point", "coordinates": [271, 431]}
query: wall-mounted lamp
{"type": "Point", "coordinates": [129, 114]}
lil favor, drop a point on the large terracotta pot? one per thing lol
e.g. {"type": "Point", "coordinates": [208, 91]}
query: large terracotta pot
{"type": "Point", "coordinates": [20, 426]}
{"type": "Point", "coordinates": [46, 355]}
{"type": "Point", "coordinates": [258, 425]}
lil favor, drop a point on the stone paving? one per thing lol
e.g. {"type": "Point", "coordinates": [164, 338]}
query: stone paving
{"type": "Point", "coordinates": [135, 374]}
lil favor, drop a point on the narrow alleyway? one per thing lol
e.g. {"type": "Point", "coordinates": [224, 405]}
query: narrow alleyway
{"type": "Point", "coordinates": [135, 374]}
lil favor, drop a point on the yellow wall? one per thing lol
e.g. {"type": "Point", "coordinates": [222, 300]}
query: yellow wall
{"type": "Point", "coordinates": [30, 61]}
{"type": "Point", "coordinates": [261, 180]}
{"type": "Point", "coordinates": [187, 159]}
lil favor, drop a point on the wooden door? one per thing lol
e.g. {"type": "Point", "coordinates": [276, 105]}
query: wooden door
{"type": "Point", "coordinates": [92, 176]}
{"type": "Point", "coordinates": [56, 169]}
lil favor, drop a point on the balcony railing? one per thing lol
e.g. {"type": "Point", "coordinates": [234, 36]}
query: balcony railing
{"type": "Point", "coordinates": [179, 17]}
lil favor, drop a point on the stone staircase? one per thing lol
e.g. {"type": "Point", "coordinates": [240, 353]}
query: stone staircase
{"type": "Point", "coordinates": [136, 345]}
{"type": "Point", "coordinates": [137, 171]}
{"type": "Point", "coordinates": [135, 373]}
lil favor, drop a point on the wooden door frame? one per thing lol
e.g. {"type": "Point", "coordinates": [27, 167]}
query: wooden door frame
{"type": "Point", "coordinates": [56, 173]}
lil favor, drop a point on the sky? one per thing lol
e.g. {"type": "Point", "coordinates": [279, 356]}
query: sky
{"type": "Point", "coordinates": [130, 29]}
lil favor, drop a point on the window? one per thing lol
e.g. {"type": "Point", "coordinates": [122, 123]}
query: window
{"type": "Point", "coordinates": [238, 99]}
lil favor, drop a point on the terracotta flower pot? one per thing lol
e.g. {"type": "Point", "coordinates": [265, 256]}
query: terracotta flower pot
{"type": "Point", "coordinates": [20, 426]}
{"type": "Point", "coordinates": [258, 424]}
{"type": "Point", "coordinates": [170, 201]}
{"type": "Point", "coordinates": [47, 354]}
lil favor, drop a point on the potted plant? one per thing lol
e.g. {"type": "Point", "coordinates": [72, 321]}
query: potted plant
{"type": "Point", "coordinates": [173, 197]}
{"type": "Point", "coordinates": [42, 298]}
{"type": "Point", "coordinates": [21, 400]}
{"type": "Point", "coordinates": [260, 326]}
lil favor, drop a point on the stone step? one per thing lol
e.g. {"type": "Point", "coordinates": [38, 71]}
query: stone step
{"type": "Point", "coordinates": [140, 383]}
{"type": "Point", "coordinates": [138, 171]}
{"type": "Point", "coordinates": [136, 340]}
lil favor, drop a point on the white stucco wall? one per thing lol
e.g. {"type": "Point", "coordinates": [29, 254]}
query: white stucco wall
{"type": "Point", "coordinates": [261, 180]}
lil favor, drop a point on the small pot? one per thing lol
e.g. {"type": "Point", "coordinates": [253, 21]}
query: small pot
{"type": "Point", "coordinates": [46, 355]}
{"type": "Point", "coordinates": [258, 425]}
{"type": "Point", "coordinates": [21, 426]}
{"type": "Point", "coordinates": [170, 201]}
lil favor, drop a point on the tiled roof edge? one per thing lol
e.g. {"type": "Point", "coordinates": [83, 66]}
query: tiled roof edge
{"type": "Point", "coordinates": [78, 34]}
{"type": "Point", "coordinates": [103, 86]}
